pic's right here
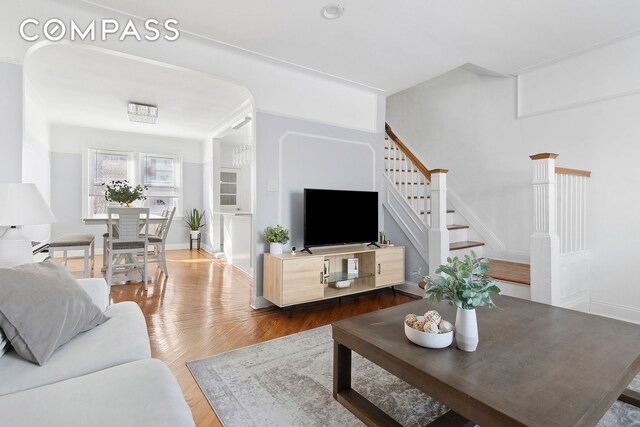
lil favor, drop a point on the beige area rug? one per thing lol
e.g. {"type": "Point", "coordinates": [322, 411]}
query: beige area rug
{"type": "Point", "coordinates": [288, 382]}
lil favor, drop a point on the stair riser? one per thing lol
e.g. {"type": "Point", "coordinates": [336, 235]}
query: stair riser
{"type": "Point", "coordinates": [460, 235]}
{"type": "Point", "coordinates": [460, 253]}
{"type": "Point", "coordinates": [450, 218]}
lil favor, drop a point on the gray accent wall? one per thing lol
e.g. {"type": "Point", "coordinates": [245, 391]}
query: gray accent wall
{"type": "Point", "coordinates": [294, 154]}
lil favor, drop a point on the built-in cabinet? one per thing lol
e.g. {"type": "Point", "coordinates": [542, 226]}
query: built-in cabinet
{"type": "Point", "coordinates": [291, 279]}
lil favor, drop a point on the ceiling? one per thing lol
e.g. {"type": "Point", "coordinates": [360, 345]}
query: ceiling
{"type": "Point", "coordinates": [87, 87]}
{"type": "Point", "coordinates": [392, 45]}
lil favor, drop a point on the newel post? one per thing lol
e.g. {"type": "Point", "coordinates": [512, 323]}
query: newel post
{"type": "Point", "coordinates": [438, 232]}
{"type": "Point", "coordinates": [544, 242]}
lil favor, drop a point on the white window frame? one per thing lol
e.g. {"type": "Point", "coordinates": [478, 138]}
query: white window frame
{"type": "Point", "coordinates": [135, 173]}
{"type": "Point", "coordinates": [177, 176]}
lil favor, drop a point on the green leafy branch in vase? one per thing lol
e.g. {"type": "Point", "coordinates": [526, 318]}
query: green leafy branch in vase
{"type": "Point", "coordinates": [463, 282]}
{"type": "Point", "coordinates": [123, 193]}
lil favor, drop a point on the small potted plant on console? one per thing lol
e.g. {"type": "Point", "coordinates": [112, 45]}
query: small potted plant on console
{"type": "Point", "coordinates": [465, 285]}
{"type": "Point", "coordinates": [276, 237]}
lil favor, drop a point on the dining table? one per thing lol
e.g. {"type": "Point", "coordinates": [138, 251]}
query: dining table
{"type": "Point", "coordinates": [98, 219]}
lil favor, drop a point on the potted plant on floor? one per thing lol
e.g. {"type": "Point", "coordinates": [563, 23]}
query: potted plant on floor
{"type": "Point", "coordinates": [195, 221]}
{"type": "Point", "coordinates": [276, 237]}
{"type": "Point", "coordinates": [124, 193]}
{"type": "Point", "coordinates": [466, 286]}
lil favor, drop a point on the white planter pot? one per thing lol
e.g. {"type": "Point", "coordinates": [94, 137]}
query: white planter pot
{"type": "Point", "coordinates": [194, 234]}
{"type": "Point", "coordinates": [275, 248]}
{"type": "Point", "coordinates": [466, 330]}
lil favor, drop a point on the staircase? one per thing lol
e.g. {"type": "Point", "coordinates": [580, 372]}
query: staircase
{"type": "Point", "coordinates": [408, 199]}
{"type": "Point", "coordinates": [411, 179]}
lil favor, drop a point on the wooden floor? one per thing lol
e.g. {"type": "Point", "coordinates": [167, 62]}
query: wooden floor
{"type": "Point", "coordinates": [202, 309]}
{"type": "Point", "coordinates": [510, 271]}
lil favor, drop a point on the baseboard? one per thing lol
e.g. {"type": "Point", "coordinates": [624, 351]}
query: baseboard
{"type": "Point", "coordinates": [579, 304]}
{"type": "Point", "coordinates": [615, 311]}
{"type": "Point", "coordinates": [410, 288]}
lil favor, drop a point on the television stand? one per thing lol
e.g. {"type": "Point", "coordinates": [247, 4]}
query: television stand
{"type": "Point", "coordinates": [374, 244]}
{"type": "Point", "coordinates": [296, 279]}
{"type": "Point", "coordinates": [306, 249]}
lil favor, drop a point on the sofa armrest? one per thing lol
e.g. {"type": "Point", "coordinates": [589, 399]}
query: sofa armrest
{"type": "Point", "coordinates": [98, 290]}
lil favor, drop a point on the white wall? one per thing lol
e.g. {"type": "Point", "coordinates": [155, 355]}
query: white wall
{"type": "Point", "coordinates": [467, 123]}
{"type": "Point", "coordinates": [36, 161]}
{"type": "Point", "coordinates": [68, 143]}
{"type": "Point", "coordinates": [11, 128]}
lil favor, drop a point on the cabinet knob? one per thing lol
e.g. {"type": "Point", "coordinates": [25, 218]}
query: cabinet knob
{"type": "Point", "coordinates": [379, 268]}
{"type": "Point", "coordinates": [322, 277]}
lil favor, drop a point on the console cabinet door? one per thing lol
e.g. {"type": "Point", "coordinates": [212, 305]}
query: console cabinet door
{"type": "Point", "coordinates": [389, 266]}
{"type": "Point", "coordinates": [302, 280]}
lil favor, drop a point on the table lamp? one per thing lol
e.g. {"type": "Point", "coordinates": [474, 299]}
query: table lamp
{"type": "Point", "coordinates": [20, 204]}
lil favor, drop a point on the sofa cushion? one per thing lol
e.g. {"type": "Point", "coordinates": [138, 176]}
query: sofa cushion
{"type": "Point", "coordinates": [142, 393]}
{"type": "Point", "coordinates": [42, 307]}
{"type": "Point", "coordinates": [121, 340]}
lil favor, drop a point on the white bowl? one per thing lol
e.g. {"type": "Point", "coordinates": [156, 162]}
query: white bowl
{"type": "Point", "coordinates": [427, 339]}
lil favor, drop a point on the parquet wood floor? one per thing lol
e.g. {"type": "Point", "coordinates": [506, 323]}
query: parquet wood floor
{"type": "Point", "coordinates": [202, 309]}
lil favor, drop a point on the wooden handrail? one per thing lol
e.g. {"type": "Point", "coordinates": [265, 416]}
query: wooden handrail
{"type": "Point", "coordinates": [576, 172]}
{"type": "Point", "coordinates": [418, 164]}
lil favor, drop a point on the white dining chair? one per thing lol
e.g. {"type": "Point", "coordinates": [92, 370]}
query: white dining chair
{"type": "Point", "coordinates": [159, 240]}
{"type": "Point", "coordinates": [128, 236]}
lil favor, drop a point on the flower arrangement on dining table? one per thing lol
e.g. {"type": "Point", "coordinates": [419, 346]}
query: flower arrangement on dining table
{"type": "Point", "coordinates": [122, 192]}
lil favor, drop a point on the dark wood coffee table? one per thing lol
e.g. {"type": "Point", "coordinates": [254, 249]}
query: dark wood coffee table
{"type": "Point", "coordinates": [536, 365]}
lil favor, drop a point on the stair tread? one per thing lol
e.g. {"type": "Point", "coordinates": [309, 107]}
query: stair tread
{"type": "Point", "coordinates": [508, 271]}
{"type": "Point", "coordinates": [429, 212]}
{"type": "Point", "coordinates": [456, 227]}
{"type": "Point", "coordinates": [464, 245]}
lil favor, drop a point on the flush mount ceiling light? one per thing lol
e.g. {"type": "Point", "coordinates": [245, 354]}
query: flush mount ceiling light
{"type": "Point", "coordinates": [332, 11]}
{"type": "Point", "coordinates": [143, 113]}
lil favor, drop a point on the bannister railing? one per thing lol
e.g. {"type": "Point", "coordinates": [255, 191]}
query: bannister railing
{"type": "Point", "coordinates": [571, 186]}
{"type": "Point", "coordinates": [426, 197]}
{"type": "Point", "coordinates": [559, 252]}
{"type": "Point", "coordinates": [409, 155]}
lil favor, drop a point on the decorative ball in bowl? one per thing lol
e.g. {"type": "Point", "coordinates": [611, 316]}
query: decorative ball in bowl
{"type": "Point", "coordinates": [429, 331]}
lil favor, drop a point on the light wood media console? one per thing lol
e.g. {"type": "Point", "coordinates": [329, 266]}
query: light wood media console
{"type": "Point", "coordinates": [296, 279]}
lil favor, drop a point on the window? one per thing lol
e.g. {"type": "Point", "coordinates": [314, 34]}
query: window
{"type": "Point", "coordinates": [104, 167]}
{"type": "Point", "coordinates": [160, 174]}
{"type": "Point", "coordinates": [160, 177]}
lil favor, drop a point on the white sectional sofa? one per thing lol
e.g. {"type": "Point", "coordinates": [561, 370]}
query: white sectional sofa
{"type": "Point", "coordinates": [103, 377]}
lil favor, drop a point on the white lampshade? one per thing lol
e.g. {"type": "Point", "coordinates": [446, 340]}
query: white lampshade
{"type": "Point", "coordinates": [22, 204]}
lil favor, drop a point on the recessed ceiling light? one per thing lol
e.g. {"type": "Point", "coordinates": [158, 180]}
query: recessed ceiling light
{"type": "Point", "coordinates": [332, 11]}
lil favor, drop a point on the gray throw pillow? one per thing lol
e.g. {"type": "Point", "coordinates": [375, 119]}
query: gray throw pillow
{"type": "Point", "coordinates": [42, 307]}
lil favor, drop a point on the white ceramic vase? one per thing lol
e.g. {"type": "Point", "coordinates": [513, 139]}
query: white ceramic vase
{"type": "Point", "coordinates": [194, 234]}
{"type": "Point", "coordinates": [466, 330]}
{"type": "Point", "coordinates": [275, 248]}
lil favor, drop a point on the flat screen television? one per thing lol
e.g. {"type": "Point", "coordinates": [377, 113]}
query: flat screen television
{"type": "Point", "coordinates": [339, 217]}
